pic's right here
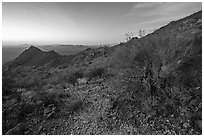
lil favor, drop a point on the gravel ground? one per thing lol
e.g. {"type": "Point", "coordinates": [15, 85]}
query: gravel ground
{"type": "Point", "coordinates": [94, 118]}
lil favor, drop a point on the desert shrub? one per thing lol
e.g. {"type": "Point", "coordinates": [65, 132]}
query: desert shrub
{"type": "Point", "coordinates": [30, 102]}
{"type": "Point", "coordinates": [60, 77]}
{"type": "Point", "coordinates": [7, 85]}
{"type": "Point", "coordinates": [132, 91]}
{"type": "Point", "coordinates": [139, 84]}
{"type": "Point", "coordinates": [32, 82]}
{"type": "Point", "coordinates": [35, 101]}
{"type": "Point", "coordinates": [59, 90]}
{"type": "Point", "coordinates": [74, 105]}
{"type": "Point", "coordinates": [49, 98]}
{"type": "Point", "coordinates": [73, 76]}
{"type": "Point", "coordinates": [123, 56]}
{"type": "Point", "coordinates": [52, 94]}
{"type": "Point", "coordinates": [144, 84]}
{"type": "Point", "coordinates": [96, 72]}
{"type": "Point", "coordinates": [26, 108]}
{"type": "Point", "coordinates": [63, 66]}
{"type": "Point", "coordinates": [41, 83]}
{"type": "Point", "coordinates": [189, 70]}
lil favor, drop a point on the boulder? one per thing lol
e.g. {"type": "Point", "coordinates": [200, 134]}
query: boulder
{"type": "Point", "coordinates": [50, 115]}
{"type": "Point", "coordinates": [82, 80]}
{"type": "Point", "coordinates": [47, 110]}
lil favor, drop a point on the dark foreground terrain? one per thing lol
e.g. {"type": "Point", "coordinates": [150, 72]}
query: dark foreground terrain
{"type": "Point", "coordinates": [148, 85]}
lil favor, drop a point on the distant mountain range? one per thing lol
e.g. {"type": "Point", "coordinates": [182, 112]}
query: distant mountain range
{"type": "Point", "coordinates": [10, 52]}
{"type": "Point", "coordinates": [34, 57]}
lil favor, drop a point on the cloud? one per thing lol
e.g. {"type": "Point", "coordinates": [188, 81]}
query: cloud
{"type": "Point", "coordinates": [144, 5]}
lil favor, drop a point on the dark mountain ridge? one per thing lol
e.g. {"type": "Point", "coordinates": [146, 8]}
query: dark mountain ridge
{"type": "Point", "coordinates": [33, 56]}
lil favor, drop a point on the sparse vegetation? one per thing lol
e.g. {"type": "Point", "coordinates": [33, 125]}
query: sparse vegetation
{"type": "Point", "coordinates": [73, 76]}
{"type": "Point", "coordinates": [150, 85]}
{"type": "Point", "coordinates": [97, 72]}
{"type": "Point", "coordinates": [128, 36]}
{"type": "Point", "coordinates": [74, 105]}
{"type": "Point", "coordinates": [141, 33]}
{"type": "Point", "coordinates": [156, 87]}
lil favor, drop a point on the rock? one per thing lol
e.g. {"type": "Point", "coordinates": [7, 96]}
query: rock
{"type": "Point", "coordinates": [50, 115]}
{"type": "Point", "coordinates": [27, 132]}
{"type": "Point", "coordinates": [51, 105]}
{"type": "Point", "coordinates": [53, 109]}
{"type": "Point", "coordinates": [47, 110]}
{"type": "Point", "coordinates": [186, 124]}
{"type": "Point", "coordinates": [82, 80]}
{"type": "Point", "coordinates": [40, 128]}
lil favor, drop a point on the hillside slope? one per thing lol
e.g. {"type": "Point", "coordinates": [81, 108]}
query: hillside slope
{"type": "Point", "coordinates": [150, 85]}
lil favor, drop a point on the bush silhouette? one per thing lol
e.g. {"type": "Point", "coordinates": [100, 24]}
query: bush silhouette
{"type": "Point", "coordinates": [75, 105]}
{"type": "Point", "coordinates": [73, 76]}
{"type": "Point", "coordinates": [97, 72]}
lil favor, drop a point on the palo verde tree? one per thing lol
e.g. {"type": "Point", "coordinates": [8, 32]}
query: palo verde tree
{"type": "Point", "coordinates": [141, 33]}
{"type": "Point", "coordinates": [128, 36]}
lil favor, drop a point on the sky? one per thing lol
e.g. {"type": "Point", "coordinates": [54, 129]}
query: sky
{"type": "Point", "coordinates": [85, 23]}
